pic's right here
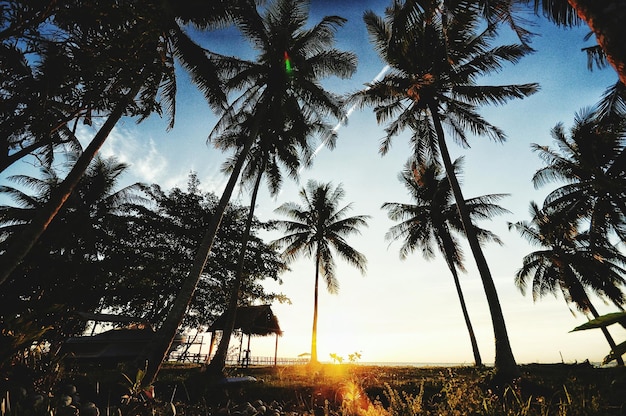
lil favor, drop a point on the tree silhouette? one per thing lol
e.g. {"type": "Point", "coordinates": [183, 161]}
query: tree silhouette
{"type": "Point", "coordinates": [436, 55]}
{"type": "Point", "coordinates": [432, 220]}
{"type": "Point", "coordinates": [318, 229]}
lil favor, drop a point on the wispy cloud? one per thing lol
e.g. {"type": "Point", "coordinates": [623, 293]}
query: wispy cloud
{"type": "Point", "coordinates": [147, 163]}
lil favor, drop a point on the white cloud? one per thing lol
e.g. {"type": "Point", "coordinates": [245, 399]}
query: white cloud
{"type": "Point", "coordinates": [147, 163]}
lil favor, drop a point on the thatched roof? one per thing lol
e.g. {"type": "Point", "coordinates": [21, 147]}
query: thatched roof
{"type": "Point", "coordinates": [252, 320]}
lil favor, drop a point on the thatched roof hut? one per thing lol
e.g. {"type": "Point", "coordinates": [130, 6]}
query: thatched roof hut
{"type": "Point", "coordinates": [252, 320]}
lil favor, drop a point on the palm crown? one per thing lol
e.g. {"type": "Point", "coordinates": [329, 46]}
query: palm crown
{"type": "Point", "coordinates": [590, 162]}
{"type": "Point", "coordinates": [319, 228]}
{"type": "Point", "coordinates": [435, 64]}
{"type": "Point", "coordinates": [281, 103]}
{"type": "Point", "coordinates": [433, 215]}
{"type": "Point", "coordinates": [566, 261]}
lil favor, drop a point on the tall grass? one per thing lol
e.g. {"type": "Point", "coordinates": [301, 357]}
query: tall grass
{"type": "Point", "coordinates": [359, 390]}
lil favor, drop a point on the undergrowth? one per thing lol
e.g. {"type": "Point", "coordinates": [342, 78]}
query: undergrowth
{"type": "Point", "coordinates": [336, 390]}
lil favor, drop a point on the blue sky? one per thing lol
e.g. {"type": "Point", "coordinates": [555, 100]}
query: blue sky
{"type": "Point", "coordinates": [401, 311]}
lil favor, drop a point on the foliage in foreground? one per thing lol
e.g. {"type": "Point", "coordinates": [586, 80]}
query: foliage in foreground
{"type": "Point", "coordinates": [557, 389]}
{"type": "Point", "coordinates": [602, 322]}
{"type": "Point", "coordinates": [333, 390]}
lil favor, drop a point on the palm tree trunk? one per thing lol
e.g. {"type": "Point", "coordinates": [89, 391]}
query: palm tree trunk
{"type": "Point", "coordinates": [606, 20]}
{"type": "Point", "coordinates": [605, 331]}
{"type": "Point", "coordinates": [470, 329]}
{"type": "Point", "coordinates": [504, 363]}
{"type": "Point", "coordinates": [314, 359]}
{"type": "Point", "coordinates": [24, 242]}
{"type": "Point", "coordinates": [478, 362]}
{"type": "Point", "coordinates": [217, 364]}
{"type": "Point", "coordinates": [157, 350]}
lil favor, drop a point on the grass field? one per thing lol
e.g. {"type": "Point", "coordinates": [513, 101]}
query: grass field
{"type": "Point", "coordinates": [347, 389]}
{"type": "Point", "coordinates": [328, 389]}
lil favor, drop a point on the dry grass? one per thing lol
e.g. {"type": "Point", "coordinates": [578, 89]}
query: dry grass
{"type": "Point", "coordinates": [349, 389]}
{"type": "Point", "coordinates": [371, 390]}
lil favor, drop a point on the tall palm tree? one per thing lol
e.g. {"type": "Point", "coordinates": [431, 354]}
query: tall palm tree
{"type": "Point", "coordinates": [281, 106]}
{"type": "Point", "coordinates": [432, 220]}
{"type": "Point", "coordinates": [590, 163]}
{"type": "Point", "coordinates": [318, 229]}
{"type": "Point", "coordinates": [567, 262]}
{"type": "Point", "coordinates": [149, 38]}
{"type": "Point", "coordinates": [435, 61]}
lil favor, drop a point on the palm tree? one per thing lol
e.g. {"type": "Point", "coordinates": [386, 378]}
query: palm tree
{"type": "Point", "coordinates": [435, 60]}
{"type": "Point", "coordinates": [604, 18]}
{"type": "Point", "coordinates": [590, 163]}
{"type": "Point", "coordinates": [63, 273]}
{"type": "Point", "coordinates": [318, 228]}
{"type": "Point", "coordinates": [149, 38]}
{"type": "Point", "coordinates": [280, 107]}
{"type": "Point", "coordinates": [567, 262]}
{"type": "Point", "coordinates": [432, 220]}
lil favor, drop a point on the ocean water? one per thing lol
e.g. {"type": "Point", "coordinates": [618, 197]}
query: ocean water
{"type": "Point", "coordinates": [415, 364]}
{"type": "Point", "coordinates": [468, 364]}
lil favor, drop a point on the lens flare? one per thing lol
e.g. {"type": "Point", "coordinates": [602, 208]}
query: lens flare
{"type": "Point", "coordinates": [288, 68]}
{"type": "Point", "coordinates": [378, 77]}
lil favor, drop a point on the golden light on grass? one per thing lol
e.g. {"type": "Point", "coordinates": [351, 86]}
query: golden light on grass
{"type": "Point", "coordinates": [353, 398]}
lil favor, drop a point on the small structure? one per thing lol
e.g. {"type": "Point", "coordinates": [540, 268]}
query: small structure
{"type": "Point", "coordinates": [113, 346]}
{"type": "Point", "coordinates": [251, 320]}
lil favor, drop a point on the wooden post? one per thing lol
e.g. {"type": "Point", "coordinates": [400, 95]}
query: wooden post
{"type": "Point", "coordinates": [248, 352]}
{"type": "Point", "coordinates": [200, 348]}
{"type": "Point", "coordinates": [240, 346]}
{"type": "Point", "coordinates": [276, 350]}
{"type": "Point", "coordinates": [208, 357]}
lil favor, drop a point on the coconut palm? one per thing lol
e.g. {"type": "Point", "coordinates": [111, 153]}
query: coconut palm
{"type": "Point", "coordinates": [435, 61]}
{"type": "Point", "coordinates": [567, 262]}
{"type": "Point", "coordinates": [590, 163]}
{"type": "Point", "coordinates": [64, 272]}
{"type": "Point", "coordinates": [318, 229]}
{"type": "Point", "coordinates": [432, 220]}
{"type": "Point", "coordinates": [604, 18]}
{"type": "Point", "coordinates": [149, 38]}
{"type": "Point", "coordinates": [281, 105]}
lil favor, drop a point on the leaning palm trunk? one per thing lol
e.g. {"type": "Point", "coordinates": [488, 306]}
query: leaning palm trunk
{"type": "Point", "coordinates": [216, 367]}
{"type": "Point", "coordinates": [504, 363]}
{"type": "Point", "coordinates": [605, 331]}
{"type": "Point", "coordinates": [606, 20]}
{"type": "Point", "coordinates": [157, 350]}
{"type": "Point", "coordinates": [315, 302]}
{"type": "Point", "coordinates": [477, 359]}
{"type": "Point", "coordinates": [24, 242]}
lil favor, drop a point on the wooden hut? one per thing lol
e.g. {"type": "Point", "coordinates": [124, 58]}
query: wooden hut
{"type": "Point", "coordinates": [250, 320]}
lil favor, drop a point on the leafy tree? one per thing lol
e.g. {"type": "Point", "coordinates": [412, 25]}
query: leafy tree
{"type": "Point", "coordinates": [567, 262]}
{"type": "Point", "coordinates": [436, 54]}
{"type": "Point", "coordinates": [318, 228]}
{"type": "Point", "coordinates": [64, 273]}
{"type": "Point", "coordinates": [154, 249]}
{"type": "Point", "coordinates": [124, 251]}
{"type": "Point", "coordinates": [432, 220]}
{"type": "Point", "coordinates": [280, 106]}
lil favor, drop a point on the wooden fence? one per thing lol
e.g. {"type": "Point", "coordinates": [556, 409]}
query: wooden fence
{"type": "Point", "coordinates": [235, 360]}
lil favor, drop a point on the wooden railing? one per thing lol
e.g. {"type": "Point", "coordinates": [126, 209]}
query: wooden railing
{"type": "Point", "coordinates": [235, 360]}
